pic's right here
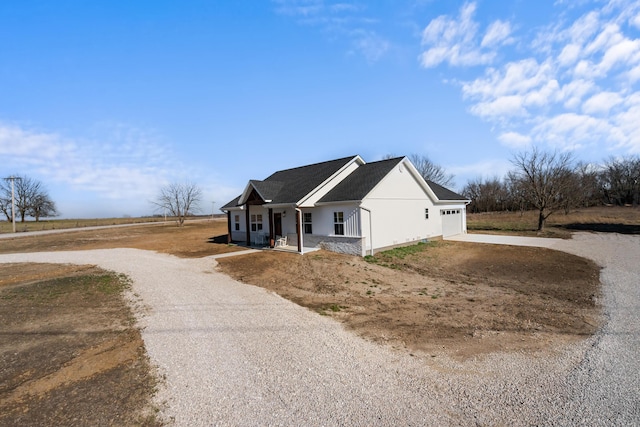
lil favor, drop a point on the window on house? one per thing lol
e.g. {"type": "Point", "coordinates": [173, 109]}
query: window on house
{"type": "Point", "coordinates": [256, 222]}
{"type": "Point", "coordinates": [426, 213]}
{"type": "Point", "coordinates": [236, 220]}
{"type": "Point", "coordinates": [306, 221]}
{"type": "Point", "coordinates": [338, 223]}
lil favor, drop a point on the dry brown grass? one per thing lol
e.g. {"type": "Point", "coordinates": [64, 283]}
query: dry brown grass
{"type": "Point", "coordinates": [559, 224]}
{"type": "Point", "coordinates": [59, 224]}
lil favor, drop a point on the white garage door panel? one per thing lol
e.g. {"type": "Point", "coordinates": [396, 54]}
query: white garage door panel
{"type": "Point", "coordinates": [451, 224]}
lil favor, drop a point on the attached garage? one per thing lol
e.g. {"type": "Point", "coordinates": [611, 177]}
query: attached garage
{"type": "Point", "coordinates": [451, 222]}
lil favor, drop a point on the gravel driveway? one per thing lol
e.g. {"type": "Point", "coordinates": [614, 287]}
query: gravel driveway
{"type": "Point", "coordinates": [235, 354]}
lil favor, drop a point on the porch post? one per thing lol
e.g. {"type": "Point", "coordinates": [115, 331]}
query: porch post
{"type": "Point", "coordinates": [299, 224]}
{"type": "Point", "coordinates": [248, 223]}
{"type": "Point", "coordinates": [228, 227]}
{"type": "Point", "coordinates": [271, 232]}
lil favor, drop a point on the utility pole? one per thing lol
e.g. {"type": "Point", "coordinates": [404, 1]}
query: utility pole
{"type": "Point", "coordinates": [13, 201]}
{"type": "Point", "coordinates": [212, 209]}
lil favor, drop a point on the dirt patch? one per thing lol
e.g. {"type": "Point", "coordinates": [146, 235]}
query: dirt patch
{"type": "Point", "coordinates": [70, 353]}
{"type": "Point", "coordinates": [456, 298]}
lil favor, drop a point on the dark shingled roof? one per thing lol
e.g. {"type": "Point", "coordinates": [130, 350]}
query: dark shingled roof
{"type": "Point", "coordinates": [357, 185]}
{"type": "Point", "coordinates": [291, 185]}
{"type": "Point", "coordinates": [232, 204]}
{"type": "Point", "coordinates": [444, 193]}
{"type": "Point", "coordinates": [267, 189]}
{"type": "Point", "coordinates": [300, 181]}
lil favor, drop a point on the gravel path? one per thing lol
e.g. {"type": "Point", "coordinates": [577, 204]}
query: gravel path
{"type": "Point", "coordinates": [235, 354]}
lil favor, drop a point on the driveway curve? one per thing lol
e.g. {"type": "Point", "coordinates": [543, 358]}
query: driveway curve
{"type": "Point", "coordinates": [235, 354]}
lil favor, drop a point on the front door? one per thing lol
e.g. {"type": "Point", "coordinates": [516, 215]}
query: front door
{"type": "Point", "coordinates": [277, 224]}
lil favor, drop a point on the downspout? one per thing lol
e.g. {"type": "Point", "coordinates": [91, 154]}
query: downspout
{"type": "Point", "coordinates": [300, 241]}
{"type": "Point", "coordinates": [370, 228]}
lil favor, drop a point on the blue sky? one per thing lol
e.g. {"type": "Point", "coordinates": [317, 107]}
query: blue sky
{"type": "Point", "coordinates": [106, 101]}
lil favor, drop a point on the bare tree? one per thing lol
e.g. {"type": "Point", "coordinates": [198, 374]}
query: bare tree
{"type": "Point", "coordinates": [487, 195]}
{"type": "Point", "coordinates": [429, 170]}
{"type": "Point", "coordinates": [179, 200]}
{"type": "Point", "coordinates": [587, 185]}
{"type": "Point", "coordinates": [32, 199]}
{"type": "Point", "coordinates": [546, 179]}
{"type": "Point", "coordinates": [620, 181]}
{"type": "Point", "coordinates": [42, 207]}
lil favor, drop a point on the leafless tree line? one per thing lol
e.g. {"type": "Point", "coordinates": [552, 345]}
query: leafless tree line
{"type": "Point", "coordinates": [31, 199]}
{"type": "Point", "coordinates": [549, 182]}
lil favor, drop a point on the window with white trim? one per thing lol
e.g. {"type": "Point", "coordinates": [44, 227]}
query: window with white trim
{"type": "Point", "coordinates": [426, 213]}
{"type": "Point", "coordinates": [256, 222]}
{"type": "Point", "coordinates": [306, 221]}
{"type": "Point", "coordinates": [236, 220]}
{"type": "Point", "coordinates": [338, 223]}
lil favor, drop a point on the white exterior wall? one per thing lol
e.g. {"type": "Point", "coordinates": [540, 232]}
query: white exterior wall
{"type": "Point", "coordinates": [324, 236]}
{"type": "Point", "coordinates": [323, 224]}
{"type": "Point", "coordinates": [398, 216]}
{"type": "Point", "coordinates": [241, 233]}
{"type": "Point", "coordinates": [398, 206]}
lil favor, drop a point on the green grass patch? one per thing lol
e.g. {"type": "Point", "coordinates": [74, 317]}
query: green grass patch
{"type": "Point", "coordinates": [391, 257]}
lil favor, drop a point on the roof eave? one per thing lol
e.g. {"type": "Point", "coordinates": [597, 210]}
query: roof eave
{"type": "Point", "coordinates": [323, 183]}
{"type": "Point", "coordinates": [338, 202]}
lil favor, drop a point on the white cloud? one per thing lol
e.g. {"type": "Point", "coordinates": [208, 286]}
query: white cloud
{"type": "Point", "coordinates": [609, 36]}
{"type": "Point", "coordinates": [624, 52]}
{"type": "Point", "coordinates": [634, 74]}
{"type": "Point", "coordinates": [125, 164]}
{"type": "Point", "coordinates": [299, 7]}
{"type": "Point", "coordinates": [627, 121]}
{"type": "Point", "coordinates": [584, 28]}
{"type": "Point", "coordinates": [574, 88]}
{"type": "Point", "coordinates": [516, 78]}
{"type": "Point", "coordinates": [514, 139]}
{"type": "Point", "coordinates": [569, 55]}
{"type": "Point", "coordinates": [340, 20]}
{"type": "Point", "coordinates": [504, 106]}
{"type": "Point", "coordinates": [572, 131]}
{"type": "Point", "coordinates": [30, 147]}
{"type": "Point", "coordinates": [574, 91]}
{"type": "Point", "coordinates": [635, 21]}
{"type": "Point", "coordinates": [370, 45]}
{"type": "Point", "coordinates": [601, 103]}
{"type": "Point", "coordinates": [497, 33]}
{"type": "Point", "coordinates": [454, 40]}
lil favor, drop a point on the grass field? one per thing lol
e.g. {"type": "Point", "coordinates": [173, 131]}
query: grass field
{"type": "Point", "coordinates": [59, 224]}
{"type": "Point", "coordinates": [560, 224]}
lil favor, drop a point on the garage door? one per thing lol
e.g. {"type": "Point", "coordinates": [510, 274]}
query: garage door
{"type": "Point", "coordinates": [451, 222]}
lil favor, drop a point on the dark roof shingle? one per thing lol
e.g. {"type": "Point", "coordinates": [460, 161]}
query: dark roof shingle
{"type": "Point", "coordinates": [444, 193]}
{"type": "Point", "coordinates": [357, 185]}
{"type": "Point", "coordinates": [291, 185]}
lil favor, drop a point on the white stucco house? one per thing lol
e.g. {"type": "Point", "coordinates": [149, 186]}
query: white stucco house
{"type": "Point", "coordinates": [345, 205]}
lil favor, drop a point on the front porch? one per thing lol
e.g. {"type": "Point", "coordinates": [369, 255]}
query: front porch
{"type": "Point", "coordinates": [261, 241]}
